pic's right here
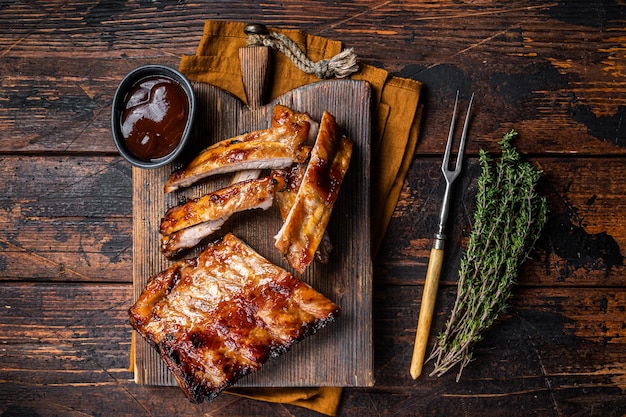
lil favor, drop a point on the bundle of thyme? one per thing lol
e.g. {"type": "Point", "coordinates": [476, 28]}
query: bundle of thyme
{"type": "Point", "coordinates": [508, 220]}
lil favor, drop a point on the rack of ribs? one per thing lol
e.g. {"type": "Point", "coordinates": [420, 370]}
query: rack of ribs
{"type": "Point", "coordinates": [217, 317]}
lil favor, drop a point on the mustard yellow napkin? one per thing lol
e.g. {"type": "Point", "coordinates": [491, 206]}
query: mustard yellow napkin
{"type": "Point", "coordinates": [324, 400]}
{"type": "Point", "coordinates": [396, 122]}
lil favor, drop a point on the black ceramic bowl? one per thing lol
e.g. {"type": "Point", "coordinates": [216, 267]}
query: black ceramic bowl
{"type": "Point", "coordinates": [125, 87]}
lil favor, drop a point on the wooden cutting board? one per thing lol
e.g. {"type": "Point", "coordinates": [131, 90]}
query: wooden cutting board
{"type": "Point", "coordinates": [340, 354]}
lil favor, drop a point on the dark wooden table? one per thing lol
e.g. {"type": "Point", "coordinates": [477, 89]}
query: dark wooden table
{"type": "Point", "coordinates": [555, 71]}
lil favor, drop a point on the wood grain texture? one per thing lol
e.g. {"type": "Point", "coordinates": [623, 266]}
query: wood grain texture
{"type": "Point", "coordinates": [567, 96]}
{"type": "Point", "coordinates": [546, 347]}
{"type": "Point", "coordinates": [65, 219]}
{"type": "Point", "coordinates": [552, 70]}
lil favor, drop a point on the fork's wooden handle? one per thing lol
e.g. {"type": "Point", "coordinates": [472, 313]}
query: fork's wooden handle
{"type": "Point", "coordinates": [429, 297]}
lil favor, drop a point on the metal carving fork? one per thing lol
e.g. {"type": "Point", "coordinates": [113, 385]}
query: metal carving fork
{"type": "Point", "coordinates": [435, 262]}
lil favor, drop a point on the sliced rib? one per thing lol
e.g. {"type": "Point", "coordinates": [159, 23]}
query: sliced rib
{"type": "Point", "coordinates": [286, 198]}
{"type": "Point", "coordinates": [174, 244]}
{"type": "Point", "coordinates": [305, 224]}
{"type": "Point", "coordinates": [240, 196]}
{"type": "Point", "coordinates": [276, 147]}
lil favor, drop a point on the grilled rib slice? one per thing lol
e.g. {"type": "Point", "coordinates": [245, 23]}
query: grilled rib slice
{"type": "Point", "coordinates": [220, 316]}
{"type": "Point", "coordinates": [276, 147]}
{"type": "Point", "coordinates": [186, 225]}
{"type": "Point", "coordinates": [176, 243]}
{"type": "Point", "coordinates": [283, 115]}
{"type": "Point", "coordinates": [285, 199]}
{"type": "Point", "coordinates": [243, 195]}
{"type": "Point", "coordinates": [305, 224]}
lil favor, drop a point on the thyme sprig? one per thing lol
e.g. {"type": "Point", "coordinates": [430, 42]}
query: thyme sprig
{"type": "Point", "coordinates": [508, 220]}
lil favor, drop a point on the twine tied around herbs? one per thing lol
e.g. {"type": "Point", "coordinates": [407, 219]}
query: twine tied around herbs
{"type": "Point", "coordinates": [340, 66]}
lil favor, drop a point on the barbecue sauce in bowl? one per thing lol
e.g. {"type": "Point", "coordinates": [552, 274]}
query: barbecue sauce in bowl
{"type": "Point", "coordinates": [155, 114]}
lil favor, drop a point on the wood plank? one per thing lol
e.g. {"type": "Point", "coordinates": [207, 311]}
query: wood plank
{"type": "Point", "coordinates": [64, 70]}
{"type": "Point", "coordinates": [65, 219]}
{"type": "Point", "coordinates": [130, 400]}
{"type": "Point", "coordinates": [346, 279]}
{"type": "Point", "coordinates": [556, 350]}
{"type": "Point", "coordinates": [547, 333]}
{"type": "Point", "coordinates": [76, 223]}
{"type": "Point", "coordinates": [72, 94]}
{"type": "Point", "coordinates": [561, 95]}
{"type": "Point", "coordinates": [80, 328]}
{"type": "Point", "coordinates": [67, 332]}
{"type": "Point", "coordinates": [553, 71]}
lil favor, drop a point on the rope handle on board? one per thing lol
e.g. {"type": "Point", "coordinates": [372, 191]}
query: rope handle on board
{"type": "Point", "coordinates": [340, 66]}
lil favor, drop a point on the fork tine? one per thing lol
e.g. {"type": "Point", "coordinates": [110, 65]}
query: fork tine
{"type": "Point", "coordinates": [459, 157]}
{"type": "Point", "coordinates": [445, 166]}
{"type": "Point", "coordinates": [446, 156]}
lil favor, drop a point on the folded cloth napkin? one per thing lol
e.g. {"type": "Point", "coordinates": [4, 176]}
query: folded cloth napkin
{"type": "Point", "coordinates": [396, 123]}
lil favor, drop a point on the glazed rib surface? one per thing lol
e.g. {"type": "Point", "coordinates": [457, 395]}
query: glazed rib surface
{"type": "Point", "coordinates": [220, 316]}
{"type": "Point", "coordinates": [305, 224]}
{"type": "Point", "coordinates": [276, 147]}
